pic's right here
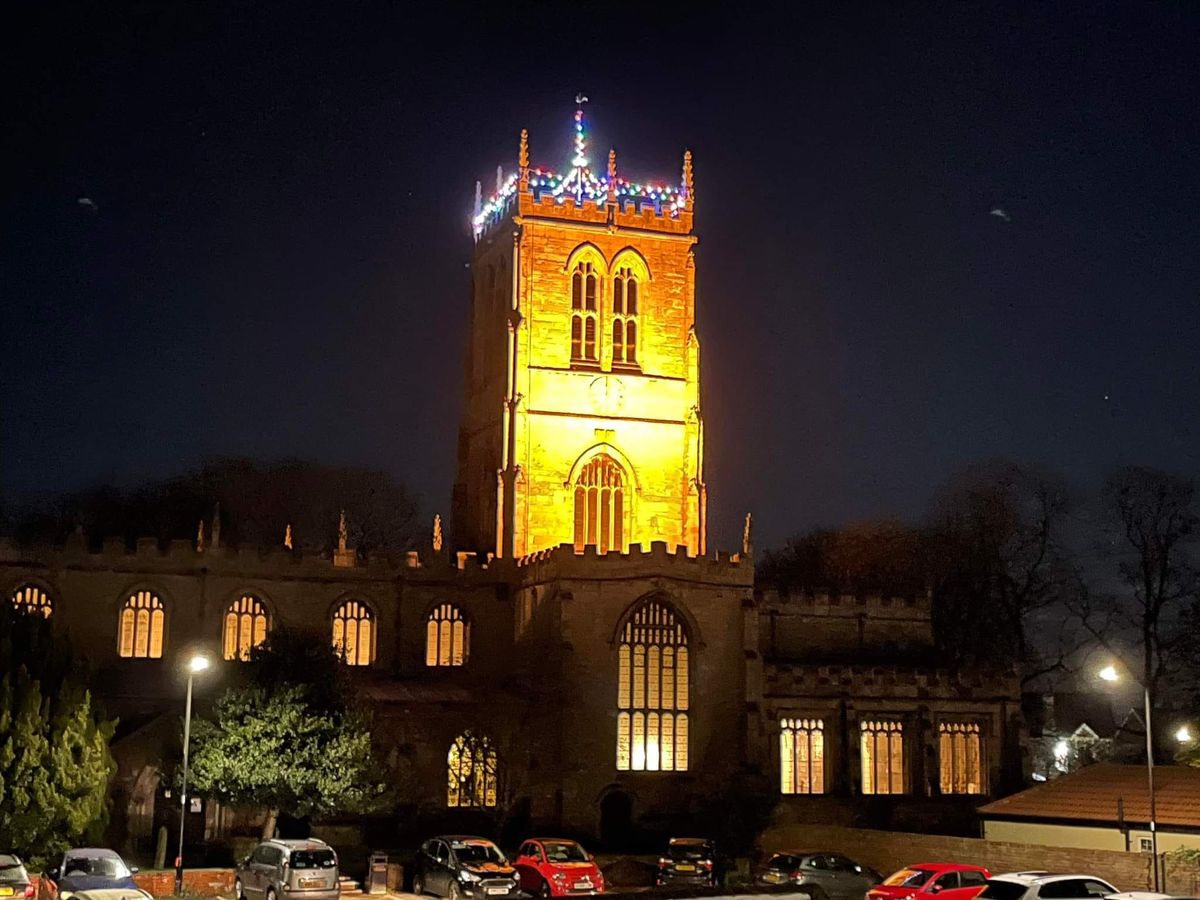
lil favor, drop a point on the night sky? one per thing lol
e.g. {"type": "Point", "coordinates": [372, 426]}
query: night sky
{"type": "Point", "coordinates": [274, 261]}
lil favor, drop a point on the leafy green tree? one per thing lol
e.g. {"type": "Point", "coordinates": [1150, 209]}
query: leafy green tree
{"type": "Point", "coordinates": [55, 763]}
{"type": "Point", "coordinates": [289, 740]}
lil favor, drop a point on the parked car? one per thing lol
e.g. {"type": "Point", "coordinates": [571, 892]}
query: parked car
{"type": "Point", "coordinates": [1034, 885]}
{"type": "Point", "coordinates": [949, 881]}
{"type": "Point", "coordinates": [457, 866]}
{"type": "Point", "coordinates": [305, 869]}
{"type": "Point", "coordinates": [829, 876]}
{"type": "Point", "coordinates": [1146, 895]}
{"type": "Point", "coordinates": [91, 869]}
{"type": "Point", "coordinates": [14, 880]}
{"type": "Point", "coordinates": [689, 861]}
{"type": "Point", "coordinates": [554, 867]}
{"type": "Point", "coordinates": [107, 894]}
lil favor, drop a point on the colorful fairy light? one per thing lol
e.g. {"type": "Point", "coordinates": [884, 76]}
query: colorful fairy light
{"type": "Point", "coordinates": [580, 183]}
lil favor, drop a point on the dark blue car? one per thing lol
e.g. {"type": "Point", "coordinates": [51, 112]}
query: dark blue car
{"type": "Point", "coordinates": [90, 869]}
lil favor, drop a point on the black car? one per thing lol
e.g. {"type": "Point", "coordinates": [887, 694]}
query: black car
{"type": "Point", "coordinates": [458, 866]}
{"type": "Point", "coordinates": [691, 861]}
{"type": "Point", "coordinates": [14, 880]}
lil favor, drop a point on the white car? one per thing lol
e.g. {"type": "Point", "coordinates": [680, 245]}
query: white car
{"type": "Point", "coordinates": [1046, 886]}
{"type": "Point", "coordinates": [1145, 895]}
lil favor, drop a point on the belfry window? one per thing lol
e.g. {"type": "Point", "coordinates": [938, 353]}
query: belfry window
{"type": "Point", "coordinates": [31, 599]}
{"type": "Point", "coordinates": [600, 505]}
{"type": "Point", "coordinates": [653, 692]}
{"type": "Point", "coordinates": [354, 633]}
{"type": "Point", "coordinates": [583, 313]}
{"type": "Point", "coordinates": [447, 636]}
{"type": "Point", "coordinates": [625, 318]}
{"type": "Point", "coordinates": [472, 776]}
{"type": "Point", "coordinates": [142, 620]}
{"type": "Point", "coordinates": [801, 756]}
{"type": "Point", "coordinates": [882, 750]}
{"type": "Point", "coordinates": [960, 757]}
{"type": "Point", "coordinates": [246, 626]}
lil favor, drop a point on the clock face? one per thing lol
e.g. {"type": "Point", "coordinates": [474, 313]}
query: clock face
{"type": "Point", "coordinates": [608, 395]}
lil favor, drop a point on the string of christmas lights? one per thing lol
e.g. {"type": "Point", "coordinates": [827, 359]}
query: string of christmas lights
{"type": "Point", "coordinates": [581, 184]}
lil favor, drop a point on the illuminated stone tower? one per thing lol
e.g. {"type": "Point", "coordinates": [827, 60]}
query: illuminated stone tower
{"type": "Point", "coordinates": [582, 418]}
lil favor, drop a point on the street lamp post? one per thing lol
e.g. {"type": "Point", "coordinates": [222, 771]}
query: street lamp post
{"type": "Point", "coordinates": [1109, 673]}
{"type": "Point", "coordinates": [195, 665]}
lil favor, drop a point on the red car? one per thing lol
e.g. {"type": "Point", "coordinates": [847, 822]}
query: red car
{"type": "Point", "coordinates": [555, 867]}
{"type": "Point", "coordinates": [948, 881]}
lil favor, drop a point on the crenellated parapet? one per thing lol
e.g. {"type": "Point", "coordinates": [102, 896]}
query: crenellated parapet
{"type": "Point", "coordinates": [798, 679]}
{"type": "Point", "coordinates": [564, 561]}
{"type": "Point", "coordinates": [820, 603]}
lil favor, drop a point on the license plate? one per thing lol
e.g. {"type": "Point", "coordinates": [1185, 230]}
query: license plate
{"type": "Point", "coordinates": [312, 882]}
{"type": "Point", "coordinates": [497, 890]}
{"type": "Point", "coordinates": [6, 892]}
{"type": "Point", "coordinates": [685, 868]}
{"type": "Point", "coordinates": [583, 885]}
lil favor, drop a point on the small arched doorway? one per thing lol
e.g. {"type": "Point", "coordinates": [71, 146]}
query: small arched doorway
{"type": "Point", "coordinates": [616, 819]}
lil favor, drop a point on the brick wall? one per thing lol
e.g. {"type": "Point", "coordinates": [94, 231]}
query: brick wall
{"type": "Point", "coordinates": [199, 882]}
{"type": "Point", "coordinates": [891, 850]}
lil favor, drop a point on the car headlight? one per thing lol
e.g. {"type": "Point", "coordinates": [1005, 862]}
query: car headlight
{"type": "Point", "coordinates": [464, 875]}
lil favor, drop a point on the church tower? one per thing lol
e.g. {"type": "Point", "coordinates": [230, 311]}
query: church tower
{"type": "Point", "coordinates": [581, 421]}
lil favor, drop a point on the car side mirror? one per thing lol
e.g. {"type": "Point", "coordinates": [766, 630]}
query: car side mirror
{"type": "Point", "coordinates": [52, 873]}
{"type": "Point", "coordinates": [133, 870]}
{"type": "Point", "coordinates": [935, 889]}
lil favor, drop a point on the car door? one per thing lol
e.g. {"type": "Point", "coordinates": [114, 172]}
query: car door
{"type": "Point", "coordinates": [819, 873]}
{"type": "Point", "coordinates": [850, 879]}
{"type": "Point", "coordinates": [946, 886]}
{"type": "Point", "coordinates": [970, 883]}
{"type": "Point", "coordinates": [443, 867]}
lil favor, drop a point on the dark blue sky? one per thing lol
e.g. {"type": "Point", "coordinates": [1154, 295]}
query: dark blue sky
{"type": "Point", "coordinates": [276, 266]}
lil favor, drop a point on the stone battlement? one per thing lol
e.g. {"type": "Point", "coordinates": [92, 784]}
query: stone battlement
{"type": "Point", "coordinates": [819, 603]}
{"type": "Point", "coordinates": [786, 679]}
{"type": "Point", "coordinates": [563, 561]}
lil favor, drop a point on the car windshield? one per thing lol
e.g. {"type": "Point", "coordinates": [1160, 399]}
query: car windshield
{"type": "Point", "coordinates": [96, 866]}
{"type": "Point", "coordinates": [313, 859]}
{"type": "Point", "coordinates": [11, 871]}
{"type": "Point", "coordinates": [1002, 890]}
{"type": "Point", "coordinates": [689, 851]}
{"type": "Point", "coordinates": [564, 851]}
{"type": "Point", "coordinates": [478, 852]}
{"type": "Point", "coordinates": [908, 878]}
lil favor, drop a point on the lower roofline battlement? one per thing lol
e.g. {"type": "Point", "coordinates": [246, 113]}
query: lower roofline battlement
{"type": "Point", "coordinates": [821, 602]}
{"type": "Point", "coordinates": [565, 560]}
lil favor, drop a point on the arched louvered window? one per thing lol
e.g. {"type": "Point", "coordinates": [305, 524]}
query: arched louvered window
{"type": "Point", "coordinates": [625, 317]}
{"type": "Point", "coordinates": [801, 756]}
{"type": "Point", "coordinates": [354, 633]}
{"type": "Point", "coordinates": [30, 598]}
{"type": "Point", "coordinates": [142, 620]}
{"type": "Point", "coordinates": [653, 692]}
{"type": "Point", "coordinates": [246, 627]}
{"type": "Point", "coordinates": [583, 313]}
{"type": "Point", "coordinates": [447, 636]}
{"type": "Point", "coordinates": [472, 775]}
{"type": "Point", "coordinates": [600, 505]}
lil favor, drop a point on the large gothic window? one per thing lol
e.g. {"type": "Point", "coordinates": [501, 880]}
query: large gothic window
{"type": "Point", "coordinates": [142, 620]}
{"type": "Point", "coordinates": [471, 773]}
{"type": "Point", "coordinates": [600, 505]}
{"type": "Point", "coordinates": [960, 757]}
{"type": "Point", "coordinates": [653, 692]}
{"type": "Point", "coordinates": [447, 636]}
{"type": "Point", "coordinates": [625, 318]}
{"type": "Point", "coordinates": [801, 756]}
{"type": "Point", "coordinates": [882, 749]}
{"type": "Point", "coordinates": [583, 313]}
{"type": "Point", "coordinates": [246, 626]}
{"type": "Point", "coordinates": [354, 633]}
{"type": "Point", "coordinates": [30, 598]}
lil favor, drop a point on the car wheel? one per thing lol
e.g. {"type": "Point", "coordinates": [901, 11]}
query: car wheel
{"type": "Point", "coordinates": [453, 893]}
{"type": "Point", "coordinates": [271, 894]}
{"type": "Point", "coordinates": [817, 893]}
{"type": "Point", "coordinates": [238, 891]}
{"type": "Point", "coordinates": [544, 889]}
{"type": "Point", "coordinates": [418, 886]}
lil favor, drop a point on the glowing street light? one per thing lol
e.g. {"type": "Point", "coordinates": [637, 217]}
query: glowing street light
{"type": "Point", "coordinates": [1183, 735]}
{"type": "Point", "coordinates": [1110, 674]}
{"type": "Point", "coordinates": [195, 666]}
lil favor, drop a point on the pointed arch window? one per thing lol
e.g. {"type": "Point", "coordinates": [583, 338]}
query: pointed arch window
{"type": "Point", "coordinates": [625, 317]}
{"type": "Point", "coordinates": [583, 313]}
{"type": "Point", "coordinates": [246, 627]}
{"type": "Point", "coordinates": [472, 773]}
{"type": "Point", "coordinates": [354, 633]}
{"type": "Point", "coordinates": [600, 505]}
{"type": "Point", "coordinates": [32, 599]}
{"type": "Point", "coordinates": [653, 692]}
{"type": "Point", "coordinates": [142, 621]}
{"type": "Point", "coordinates": [960, 757]}
{"type": "Point", "coordinates": [801, 756]}
{"type": "Point", "coordinates": [447, 636]}
{"type": "Point", "coordinates": [881, 745]}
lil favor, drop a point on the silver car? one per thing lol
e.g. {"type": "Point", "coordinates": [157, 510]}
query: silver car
{"type": "Point", "coordinates": [282, 869]}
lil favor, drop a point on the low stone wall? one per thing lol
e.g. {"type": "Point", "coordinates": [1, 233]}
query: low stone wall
{"type": "Point", "coordinates": [888, 851]}
{"type": "Point", "coordinates": [198, 882]}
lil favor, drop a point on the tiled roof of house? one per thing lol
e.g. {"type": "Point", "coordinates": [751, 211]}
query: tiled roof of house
{"type": "Point", "coordinates": [1094, 793]}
